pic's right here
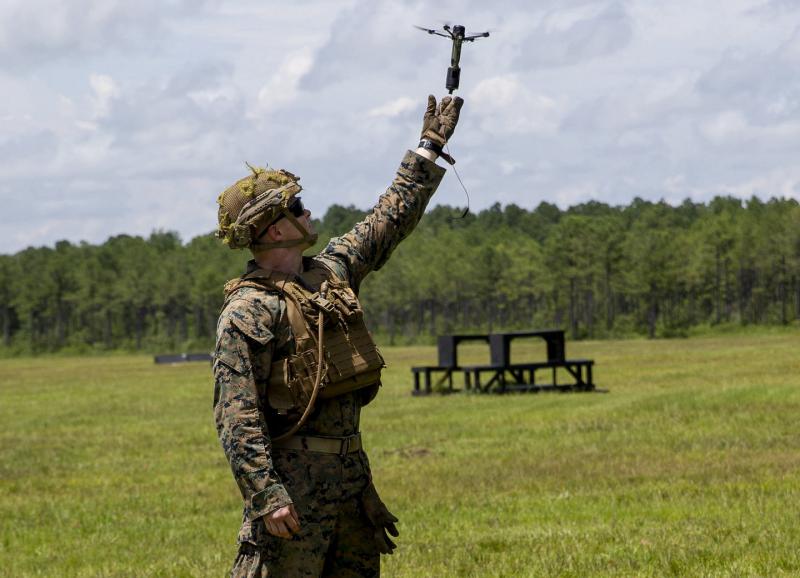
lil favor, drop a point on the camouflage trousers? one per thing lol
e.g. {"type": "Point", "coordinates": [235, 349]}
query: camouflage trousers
{"type": "Point", "coordinates": [335, 538]}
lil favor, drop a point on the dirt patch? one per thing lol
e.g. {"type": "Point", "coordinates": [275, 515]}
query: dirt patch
{"type": "Point", "coordinates": [410, 452]}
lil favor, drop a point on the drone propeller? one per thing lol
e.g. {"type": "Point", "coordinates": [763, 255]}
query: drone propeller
{"type": "Point", "coordinates": [474, 36]}
{"type": "Point", "coordinates": [432, 31]}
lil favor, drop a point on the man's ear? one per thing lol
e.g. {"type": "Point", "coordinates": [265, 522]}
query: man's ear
{"type": "Point", "coordinates": [265, 235]}
{"type": "Point", "coordinates": [273, 232]}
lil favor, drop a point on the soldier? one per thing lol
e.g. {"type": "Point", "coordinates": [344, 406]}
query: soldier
{"type": "Point", "coordinates": [294, 365]}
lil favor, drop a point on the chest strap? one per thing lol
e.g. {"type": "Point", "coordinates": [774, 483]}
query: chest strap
{"type": "Point", "coordinates": [320, 444]}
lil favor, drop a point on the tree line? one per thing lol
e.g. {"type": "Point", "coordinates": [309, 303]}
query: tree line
{"type": "Point", "coordinates": [595, 270]}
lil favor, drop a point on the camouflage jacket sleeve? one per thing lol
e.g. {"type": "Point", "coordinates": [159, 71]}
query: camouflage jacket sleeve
{"type": "Point", "coordinates": [245, 344]}
{"type": "Point", "coordinates": [370, 243]}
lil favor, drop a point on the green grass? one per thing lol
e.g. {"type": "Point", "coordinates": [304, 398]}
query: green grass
{"type": "Point", "coordinates": [688, 467]}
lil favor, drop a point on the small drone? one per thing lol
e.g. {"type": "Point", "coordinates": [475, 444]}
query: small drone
{"type": "Point", "coordinates": [458, 35]}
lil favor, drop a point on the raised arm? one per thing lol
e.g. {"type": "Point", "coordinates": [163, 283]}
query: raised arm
{"type": "Point", "coordinates": [370, 243]}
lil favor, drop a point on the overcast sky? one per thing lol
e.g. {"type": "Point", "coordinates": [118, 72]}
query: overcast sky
{"type": "Point", "coordinates": [124, 117]}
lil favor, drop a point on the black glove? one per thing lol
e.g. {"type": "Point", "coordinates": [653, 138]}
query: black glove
{"type": "Point", "coordinates": [381, 518]}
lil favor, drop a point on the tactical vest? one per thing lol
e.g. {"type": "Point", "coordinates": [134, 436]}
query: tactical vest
{"type": "Point", "coordinates": [351, 358]}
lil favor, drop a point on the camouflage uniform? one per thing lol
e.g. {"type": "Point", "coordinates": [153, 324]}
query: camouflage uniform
{"type": "Point", "coordinates": [335, 538]}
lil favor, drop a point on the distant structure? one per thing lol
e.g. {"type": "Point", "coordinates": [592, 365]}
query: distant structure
{"type": "Point", "coordinates": [500, 375]}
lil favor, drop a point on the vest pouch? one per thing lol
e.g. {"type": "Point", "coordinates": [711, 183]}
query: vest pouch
{"type": "Point", "coordinates": [303, 375]}
{"type": "Point", "coordinates": [279, 394]}
{"type": "Point", "coordinates": [362, 380]}
{"type": "Point", "coordinates": [347, 304]}
{"type": "Point", "coordinates": [350, 300]}
{"type": "Point", "coordinates": [351, 354]}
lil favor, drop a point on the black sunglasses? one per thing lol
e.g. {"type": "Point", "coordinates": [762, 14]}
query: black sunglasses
{"type": "Point", "coordinates": [295, 207]}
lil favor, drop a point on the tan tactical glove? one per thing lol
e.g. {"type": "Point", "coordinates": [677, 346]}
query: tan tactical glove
{"type": "Point", "coordinates": [381, 518]}
{"type": "Point", "coordinates": [439, 123]}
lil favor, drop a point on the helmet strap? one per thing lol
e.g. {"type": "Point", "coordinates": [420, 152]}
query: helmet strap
{"type": "Point", "coordinates": [307, 238]}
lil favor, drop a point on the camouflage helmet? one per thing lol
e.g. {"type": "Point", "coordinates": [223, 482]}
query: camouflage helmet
{"type": "Point", "coordinates": [252, 202]}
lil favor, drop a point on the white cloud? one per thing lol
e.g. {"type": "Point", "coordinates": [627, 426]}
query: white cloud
{"type": "Point", "coordinates": [281, 89]}
{"type": "Point", "coordinates": [105, 91]}
{"type": "Point", "coordinates": [509, 167]}
{"type": "Point", "coordinates": [566, 19]}
{"type": "Point", "coordinates": [568, 35]}
{"type": "Point", "coordinates": [573, 194]}
{"type": "Point", "coordinates": [507, 107]}
{"type": "Point", "coordinates": [727, 125]}
{"type": "Point", "coordinates": [774, 8]}
{"type": "Point", "coordinates": [394, 108]}
{"type": "Point", "coordinates": [40, 32]}
{"type": "Point", "coordinates": [782, 182]}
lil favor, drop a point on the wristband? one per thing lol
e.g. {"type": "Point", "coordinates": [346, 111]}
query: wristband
{"type": "Point", "coordinates": [431, 146]}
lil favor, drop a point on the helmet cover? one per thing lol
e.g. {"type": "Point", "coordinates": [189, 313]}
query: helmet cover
{"type": "Point", "coordinates": [252, 202]}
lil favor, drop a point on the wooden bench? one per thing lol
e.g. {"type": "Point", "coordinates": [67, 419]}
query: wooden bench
{"type": "Point", "coordinates": [447, 346]}
{"type": "Point", "coordinates": [504, 376]}
{"type": "Point", "coordinates": [522, 376]}
{"type": "Point", "coordinates": [507, 376]}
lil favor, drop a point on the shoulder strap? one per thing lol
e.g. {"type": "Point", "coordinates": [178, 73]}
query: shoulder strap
{"type": "Point", "coordinates": [258, 279]}
{"type": "Point", "coordinates": [283, 283]}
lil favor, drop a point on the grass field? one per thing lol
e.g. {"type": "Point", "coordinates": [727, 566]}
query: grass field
{"type": "Point", "coordinates": [688, 467]}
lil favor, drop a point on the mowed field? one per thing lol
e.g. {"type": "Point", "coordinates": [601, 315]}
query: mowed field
{"type": "Point", "coordinates": [689, 466]}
